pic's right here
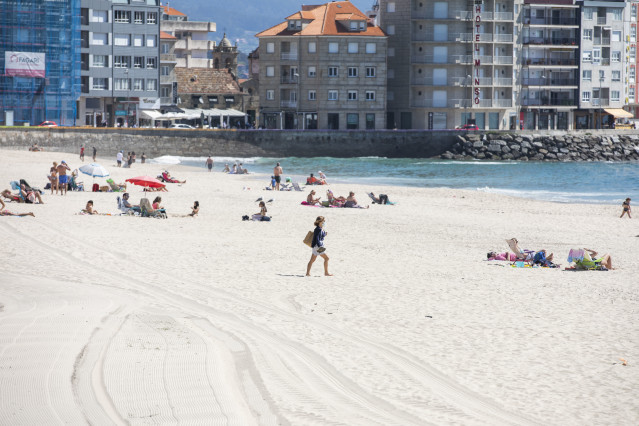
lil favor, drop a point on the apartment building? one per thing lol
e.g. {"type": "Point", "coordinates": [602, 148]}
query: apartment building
{"type": "Point", "coordinates": [605, 63]}
{"type": "Point", "coordinates": [633, 83]}
{"type": "Point", "coordinates": [452, 64]}
{"type": "Point", "coordinates": [119, 60]}
{"type": "Point", "coordinates": [193, 48]}
{"type": "Point", "coordinates": [549, 64]}
{"type": "Point", "coordinates": [168, 79]}
{"type": "Point", "coordinates": [324, 67]}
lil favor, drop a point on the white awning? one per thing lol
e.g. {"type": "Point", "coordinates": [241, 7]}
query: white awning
{"type": "Point", "coordinates": [150, 114]}
{"type": "Point", "coordinates": [619, 112]}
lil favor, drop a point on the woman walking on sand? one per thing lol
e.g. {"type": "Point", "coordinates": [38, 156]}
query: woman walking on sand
{"type": "Point", "coordinates": [317, 246]}
{"type": "Point", "coordinates": [626, 208]}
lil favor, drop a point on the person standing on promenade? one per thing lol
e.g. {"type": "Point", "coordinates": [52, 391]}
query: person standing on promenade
{"type": "Point", "coordinates": [626, 208]}
{"type": "Point", "coordinates": [278, 172]}
{"type": "Point", "coordinates": [95, 153]}
{"type": "Point", "coordinates": [82, 153]}
{"type": "Point", "coordinates": [63, 179]}
{"type": "Point", "coordinates": [209, 163]}
{"type": "Point", "coordinates": [317, 246]}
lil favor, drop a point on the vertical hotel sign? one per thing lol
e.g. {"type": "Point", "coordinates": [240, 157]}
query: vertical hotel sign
{"type": "Point", "coordinates": [24, 64]}
{"type": "Point", "coordinates": [476, 57]}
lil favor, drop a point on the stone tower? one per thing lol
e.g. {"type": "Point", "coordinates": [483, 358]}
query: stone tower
{"type": "Point", "coordinates": [225, 55]}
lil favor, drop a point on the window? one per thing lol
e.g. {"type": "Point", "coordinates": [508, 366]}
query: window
{"type": "Point", "coordinates": [353, 47]}
{"type": "Point", "coordinates": [151, 18]}
{"type": "Point", "coordinates": [151, 63]}
{"type": "Point", "coordinates": [390, 6]}
{"type": "Point", "coordinates": [312, 95]}
{"type": "Point", "coordinates": [164, 70]}
{"type": "Point", "coordinates": [632, 73]}
{"type": "Point", "coordinates": [616, 75]}
{"type": "Point", "coordinates": [585, 96]}
{"type": "Point", "coordinates": [312, 71]}
{"type": "Point", "coordinates": [165, 48]}
{"type": "Point", "coordinates": [352, 71]}
{"type": "Point", "coordinates": [138, 17]}
{"type": "Point", "coordinates": [99, 84]}
{"type": "Point", "coordinates": [633, 53]}
{"type": "Point", "coordinates": [391, 51]}
{"type": "Point", "coordinates": [588, 13]}
{"type": "Point", "coordinates": [138, 62]}
{"type": "Point", "coordinates": [120, 84]}
{"type": "Point", "coordinates": [371, 48]}
{"type": "Point", "coordinates": [390, 29]}
{"type": "Point", "coordinates": [631, 92]}
{"type": "Point", "coordinates": [333, 47]}
{"type": "Point", "coordinates": [617, 13]}
{"type": "Point", "coordinates": [151, 84]}
{"type": "Point", "coordinates": [151, 41]}
{"type": "Point", "coordinates": [332, 95]}
{"type": "Point", "coordinates": [122, 40]}
{"type": "Point", "coordinates": [370, 121]}
{"type": "Point", "coordinates": [370, 95]}
{"type": "Point", "coordinates": [99, 16]}
{"type": "Point", "coordinates": [602, 75]}
{"type": "Point", "coordinates": [370, 71]}
{"type": "Point", "coordinates": [633, 33]}
{"type": "Point", "coordinates": [616, 36]}
{"type": "Point", "coordinates": [138, 84]}
{"type": "Point", "coordinates": [165, 91]}
{"type": "Point", "coordinates": [122, 16]}
{"type": "Point", "coordinates": [333, 71]}
{"type": "Point", "coordinates": [586, 75]}
{"type": "Point", "coordinates": [121, 62]}
{"type": "Point", "coordinates": [99, 61]}
{"type": "Point", "coordinates": [353, 25]}
{"type": "Point", "coordinates": [270, 47]}
{"type": "Point", "coordinates": [270, 71]}
{"type": "Point", "coordinates": [99, 39]}
{"type": "Point", "coordinates": [596, 56]}
{"type": "Point", "coordinates": [633, 12]}
{"type": "Point", "coordinates": [352, 95]}
{"type": "Point", "coordinates": [270, 95]}
{"type": "Point", "coordinates": [138, 40]}
{"type": "Point", "coordinates": [587, 34]}
{"type": "Point", "coordinates": [352, 121]}
{"type": "Point", "coordinates": [614, 95]}
{"type": "Point", "coordinates": [312, 47]}
{"type": "Point", "coordinates": [362, 26]}
{"type": "Point", "coordinates": [615, 57]}
{"type": "Point", "coordinates": [586, 56]}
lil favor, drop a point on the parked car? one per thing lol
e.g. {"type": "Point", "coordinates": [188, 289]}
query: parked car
{"type": "Point", "coordinates": [48, 124]}
{"type": "Point", "coordinates": [181, 126]}
{"type": "Point", "coordinates": [468, 127]}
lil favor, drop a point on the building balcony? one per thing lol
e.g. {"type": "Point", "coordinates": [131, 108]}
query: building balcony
{"type": "Point", "coordinates": [289, 79]}
{"type": "Point", "coordinates": [168, 57]}
{"type": "Point", "coordinates": [503, 82]}
{"type": "Point", "coordinates": [601, 20]}
{"type": "Point", "coordinates": [598, 41]}
{"type": "Point", "coordinates": [452, 16]}
{"type": "Point", "coordinates": [551, 21]}
{"type": "Point", "coordinates": [192, 26]}
{"type": "Point", "coordinates": [167, 79]}
{"type": "Point", "coordinates": [503, 60]}
{"type": "Point", "coordinates": [560, 61]}
{"type": "Point", "coordinates": [288, 104]}
{"type": "Point", "coordinates": [288, 56]}
{"type": "Point", "coordinates": [437, 103]}
{"type": "Point", "coordinates": [502, 38]}
{"type": "Point", "coordinates": [189, 62]}
{"type": "Point", "coordinates": [443, 38]}
{"type": "Point", "coordinates": [549, 82]}
{"type": "Point", "coordinates": [190, 44]}
{"type": "Point", "coordinates": [551, 41]}
{"type": "Point", "coordinates": [166, 101]}
{"type": "Point", "coordinates": [550, 102]}
{"type": "Point", "coordinates": [600, 102]}
{"type": "Point", "coordinates": [503, 16]}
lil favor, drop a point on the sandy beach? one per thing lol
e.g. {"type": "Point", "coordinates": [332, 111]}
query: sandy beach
{"type": "Point", "coordinates": [114, 319]}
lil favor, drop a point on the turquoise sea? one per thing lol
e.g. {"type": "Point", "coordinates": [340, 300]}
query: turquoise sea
{"type": "Point", "coordinates": [593, 182]}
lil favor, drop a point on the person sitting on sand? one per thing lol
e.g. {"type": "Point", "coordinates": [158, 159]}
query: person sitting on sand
{"type": "Point", "coordinates": [322, 177]}
{"type": "Point", "coordinates": [262, 214]}
{"type": "Point", "coordinates": [226, 169]}
{"type": "Point", "coordinates": [540, 258]}
{"type": "Point", "coordinates": [351, 202]}
{"type": "Point", "coordinates": [156, 203]}
{"type": "Point", "coordinates": [167, 177]}
{"type": "Point", "coordinates": [4, 212]}
{"type": "Point", "coordinates": [89, 208]}
{"type": "Point", "coordinates": [126, 205]}
{"type": "Point", "coordinates": [312, 201]}
{"type": "Point", "coordinates": [312, 180]}
{"type": "Point", "coordinates": [195, 209]}
{"type": "Point", "coordinates": [30, 196]}
{"type": "Point", "coordinates": [335, 201]}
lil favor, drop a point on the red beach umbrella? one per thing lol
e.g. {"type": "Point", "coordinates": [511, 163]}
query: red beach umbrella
{"type": "Point", "coordinates": [146, 181]}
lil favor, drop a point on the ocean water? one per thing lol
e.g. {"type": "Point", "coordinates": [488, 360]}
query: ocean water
{"type": "Point", "coordinates": [593, 182]}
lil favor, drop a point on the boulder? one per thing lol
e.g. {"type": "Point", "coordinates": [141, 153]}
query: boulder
{"type": "Point", "coordinates": [507, 157]}
{"type": "Point", "coordinates": [478, 144]}
{"type": "Point", "coordinates": [525, 144]}
{"type": "Point", "coordinates": [543, 151]}
{"type": "Point", "coordinates": [505, 149]}
{"type": "Point", "coordinates": [494, 148]}
{"type": "Point", "coordinates": [538, 144]}
{"type": "Point", "coordinates": [515, 147]}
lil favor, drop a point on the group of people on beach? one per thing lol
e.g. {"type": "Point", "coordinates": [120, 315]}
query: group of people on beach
{"type": "Point", "coordinates": [130, 158]}
{"type": "Point", "coordinates": [333, 201]}
{"type": "Point", "coordinates": [95, 153]}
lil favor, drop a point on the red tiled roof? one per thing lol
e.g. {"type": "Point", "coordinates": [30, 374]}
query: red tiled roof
{"type": "Point", "coordinates": [324, 21]}
{"type": "Point", "coordinates": [166, 35]}
{"type": "Point", "coordinates": [203, 81]}
{"type": "Point", "coordinates": [171, 11]}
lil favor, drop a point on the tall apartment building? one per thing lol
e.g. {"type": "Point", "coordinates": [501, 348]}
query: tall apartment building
{"type": "Point", "coordinates": [120, 60]}
{"type": "Point", "coordinates": [168, 79]}
{"type": "Point", "coordinates": [451, 63]}
{"type": "Point", "coordinates": [549, 64]}
{"type": "Point", "coordinates": [193, 48]}
{"type": "Point", "coordinates": [39, 61]}
{"type": "Point", "coordinates": [323, 68]}
{"type": "Point", "coordinates": [605, 63]}
{"type": "Point", "coordinates": [633, 82]}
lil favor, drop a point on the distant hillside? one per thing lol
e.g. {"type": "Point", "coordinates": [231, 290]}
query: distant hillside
{"type": "Point", "coordinates": [243, 19]}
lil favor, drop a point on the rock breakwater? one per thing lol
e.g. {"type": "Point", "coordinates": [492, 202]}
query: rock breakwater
{"type": "Point", "coordinates": [565, 147]}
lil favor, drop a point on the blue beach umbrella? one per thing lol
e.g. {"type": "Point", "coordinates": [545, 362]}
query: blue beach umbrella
{"type": "Point", "coordinates": [94, 170]}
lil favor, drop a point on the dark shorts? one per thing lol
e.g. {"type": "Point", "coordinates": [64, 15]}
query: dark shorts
{"type": "Point", "coordinates": [119, 162]}
{"type": "Point", "coordinates": [63, 178]}
{"type": "Point", "coordinates": [278, 179]}
{"type": "Point", "coordinates": [210, 166]}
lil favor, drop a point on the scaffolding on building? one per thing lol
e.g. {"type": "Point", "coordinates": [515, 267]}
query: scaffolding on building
{"type": "Point", "coordinates": [52, 28]}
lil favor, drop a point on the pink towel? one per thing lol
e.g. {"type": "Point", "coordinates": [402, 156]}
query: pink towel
{"type": "Point", "coordinates": [575, 255]}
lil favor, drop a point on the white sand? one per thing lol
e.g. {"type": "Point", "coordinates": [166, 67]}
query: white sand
{"type": "Point", "coordinates": [209, 320]}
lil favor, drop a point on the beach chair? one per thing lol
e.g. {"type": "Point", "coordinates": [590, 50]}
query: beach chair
{"type": "Point", "coordinates": [147, 211]}
{"type": "Point", "coordinates": [115, 187]}
{"type": "Point", "coordinates": [525, 255]}
{"type": "Point", "coordinates": [296, 186]}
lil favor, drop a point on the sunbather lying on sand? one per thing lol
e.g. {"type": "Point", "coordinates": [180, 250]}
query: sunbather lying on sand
{"type": "Point", "coordinates": [605, 260]}
{"type": "Point", "coordinates": [11, 196]}
{"type": "Point", "coordinates": [511, 257]}
{"type": "Point", "coordinates": [167, 177]}
{"type": "Point", "coordinates": [4, 212]}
